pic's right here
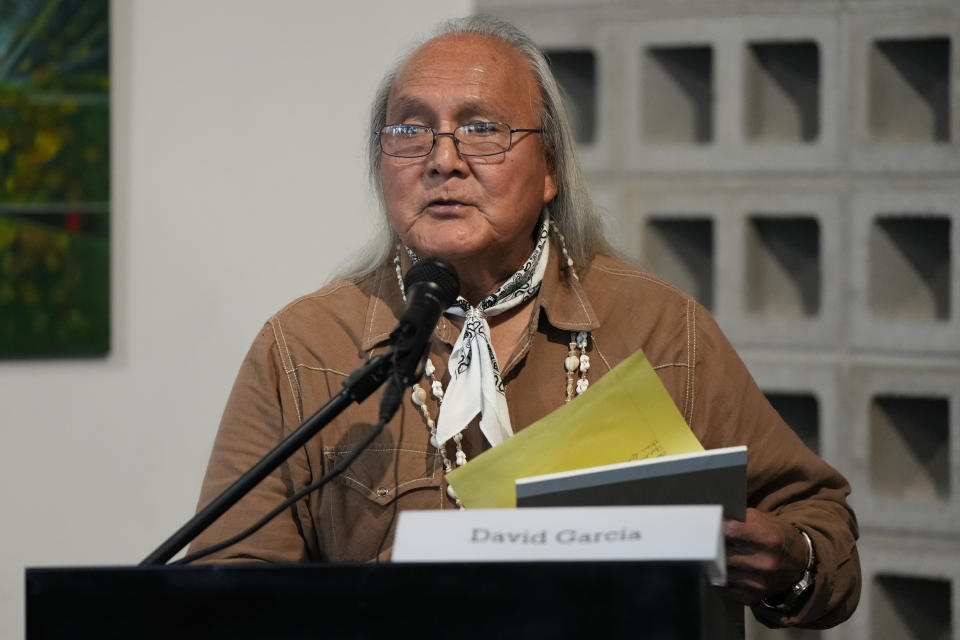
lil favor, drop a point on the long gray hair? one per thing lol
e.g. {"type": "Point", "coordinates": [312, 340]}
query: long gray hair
{"type": "Point", "coordinates": [571, 209]}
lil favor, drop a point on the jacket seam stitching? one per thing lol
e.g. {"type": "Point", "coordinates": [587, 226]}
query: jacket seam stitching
{"type": "Point", "coordinates": [373, 312]}
{"type": "Point", "coordinates": [636, 274]}
{"type": "Point", "coordinates": [396, 488]}
{"type": "Point", "coordinates": [328, 450]}
{"type": "Point", "coordinates": [583, 308]}
{"type": "Point", "coordinates": [287, 361]}
{"type": "Point", "coordinates": [596, 346]}
{"type": "Point", "coordinates": [322, 369]}
{"type": "Point", "coordinates": [671, 364]}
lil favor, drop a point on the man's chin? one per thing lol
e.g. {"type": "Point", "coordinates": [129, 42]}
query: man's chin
{"type": "Point", "coordinates": [454, 243]}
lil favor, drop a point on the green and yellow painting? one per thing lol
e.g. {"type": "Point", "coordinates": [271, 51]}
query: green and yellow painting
{"type": "Point", "coordinates": [54, 178]}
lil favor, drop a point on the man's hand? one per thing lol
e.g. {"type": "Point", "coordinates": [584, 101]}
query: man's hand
{"type": "Point", "coordinates": [765, 557]}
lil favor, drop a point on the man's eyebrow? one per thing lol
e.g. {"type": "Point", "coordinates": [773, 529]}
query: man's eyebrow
{"type": "Point", "coordinates": [405, 106]}
{"type": "Point", "coordinates": [473, 109]}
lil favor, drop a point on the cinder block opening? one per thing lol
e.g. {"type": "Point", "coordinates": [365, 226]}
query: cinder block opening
{"type": "Point", "coordinates": [681, 250]}
{"type": "Point", "coordinates": [910, 91]}
{"type": "Point", "coordinates": [782, 84]}
{"type": "Point", "coordinates": [910, 268]}
{"type": "Point", "coordinates": [782, 262]}
{"type": "Point", "coordinates": [576, 71]}
{"type": "Point", "coordinates": [910, 447]}
{"type": "Point", "coordinates": [802, 412]}
{"type": "Point", "coordinates": [677, 95]}
{"type": "Point", "coordinates": [911, 608]}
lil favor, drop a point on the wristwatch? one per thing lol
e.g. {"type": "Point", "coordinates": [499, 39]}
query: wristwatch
{"type": "Point", "coordinates": [792, 599]}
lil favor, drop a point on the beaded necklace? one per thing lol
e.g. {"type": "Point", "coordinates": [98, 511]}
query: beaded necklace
{"type": "Point", "coordinates": [576, 364]}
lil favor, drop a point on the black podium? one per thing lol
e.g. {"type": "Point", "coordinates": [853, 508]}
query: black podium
{"type": "Point", "coordinates": [476, 600]}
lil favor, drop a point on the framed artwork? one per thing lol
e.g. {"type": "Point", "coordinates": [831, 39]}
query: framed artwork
{"type": "Point", "coordinates": [54, 178]}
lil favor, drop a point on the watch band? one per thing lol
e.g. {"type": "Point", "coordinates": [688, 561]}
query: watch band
{"type": "Point", "coordinates": [797, 592]}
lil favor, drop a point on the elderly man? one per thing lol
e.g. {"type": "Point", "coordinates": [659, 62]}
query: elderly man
{"type": "Point", "coordinates": [474, 161]}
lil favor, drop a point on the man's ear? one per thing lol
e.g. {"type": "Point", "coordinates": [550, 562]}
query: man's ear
{"type": "Point", "coordinates": [549, 187]}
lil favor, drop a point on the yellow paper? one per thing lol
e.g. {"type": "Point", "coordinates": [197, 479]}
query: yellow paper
{"type": "Point", "coordinates": [626, 415]}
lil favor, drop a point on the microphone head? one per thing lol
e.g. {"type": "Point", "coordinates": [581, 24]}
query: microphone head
{"type": "Point", "coordinates": [440, 274]}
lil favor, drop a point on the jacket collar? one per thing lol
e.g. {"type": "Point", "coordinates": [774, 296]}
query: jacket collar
{"type": "Point", "coordinates": [561, 297]}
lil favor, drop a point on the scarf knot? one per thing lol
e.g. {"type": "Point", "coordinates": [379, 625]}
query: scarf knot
{"type": "Point", "coordinates": [476, 386]}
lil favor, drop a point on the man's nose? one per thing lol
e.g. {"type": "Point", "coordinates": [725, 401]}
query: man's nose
{"type": "Point", "coordinates": [446, 154]}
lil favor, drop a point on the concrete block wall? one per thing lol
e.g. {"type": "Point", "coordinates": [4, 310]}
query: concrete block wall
{"type": "Point", "coordinates": [796, 167]}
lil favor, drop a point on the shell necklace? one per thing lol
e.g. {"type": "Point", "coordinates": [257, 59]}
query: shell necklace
{"type": "Point", "coordinates": [575, 365]}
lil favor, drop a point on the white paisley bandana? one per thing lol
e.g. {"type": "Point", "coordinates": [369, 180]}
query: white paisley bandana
{"type": "Point", "coordinates": [475, 383]}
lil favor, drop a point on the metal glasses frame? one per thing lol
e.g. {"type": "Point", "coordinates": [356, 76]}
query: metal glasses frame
{"type": "Point", "coordinates": [456, 140]}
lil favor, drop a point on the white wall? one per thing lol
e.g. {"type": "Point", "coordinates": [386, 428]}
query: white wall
{"type": "Point", "coordinates": [237, 185]}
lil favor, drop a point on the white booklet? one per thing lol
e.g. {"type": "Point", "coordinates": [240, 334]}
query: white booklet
{"type": "Point", "coordinates": [715, 476]}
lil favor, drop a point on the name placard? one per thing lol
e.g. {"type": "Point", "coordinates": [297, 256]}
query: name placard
{"type": "Point", "coordinates": [670, 533]}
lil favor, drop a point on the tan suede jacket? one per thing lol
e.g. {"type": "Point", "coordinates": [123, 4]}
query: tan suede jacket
{"type": "Point", "coordinates": [302, 355]}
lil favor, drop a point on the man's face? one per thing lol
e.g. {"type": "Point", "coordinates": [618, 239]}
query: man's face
{"type": "Point", "coordinates": [476, 212]}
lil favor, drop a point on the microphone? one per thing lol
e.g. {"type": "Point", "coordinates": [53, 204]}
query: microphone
{"type": "Point", "coordinates": [431, 286]}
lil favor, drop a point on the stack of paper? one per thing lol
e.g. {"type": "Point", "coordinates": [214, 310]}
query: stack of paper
{"type": "Point", "coordinates": [626, 415]}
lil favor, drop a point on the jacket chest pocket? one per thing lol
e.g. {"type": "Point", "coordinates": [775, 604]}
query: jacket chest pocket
{"type": "Point", "coordinates": [357, 512]}
{"type": "Point", "coordinates": [383, 474]}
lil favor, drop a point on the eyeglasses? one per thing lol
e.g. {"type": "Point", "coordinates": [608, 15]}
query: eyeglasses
{"type": "Point", "coordinates": [474, 139]}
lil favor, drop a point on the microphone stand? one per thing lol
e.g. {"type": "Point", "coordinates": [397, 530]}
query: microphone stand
{"type": "Point", "coordinates": [356, 388]}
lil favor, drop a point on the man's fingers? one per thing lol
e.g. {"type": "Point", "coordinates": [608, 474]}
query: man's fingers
{"type": "Point", "coordinates": [766, 564]}
{"type": "Point", "coordinates": [759, 529]}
